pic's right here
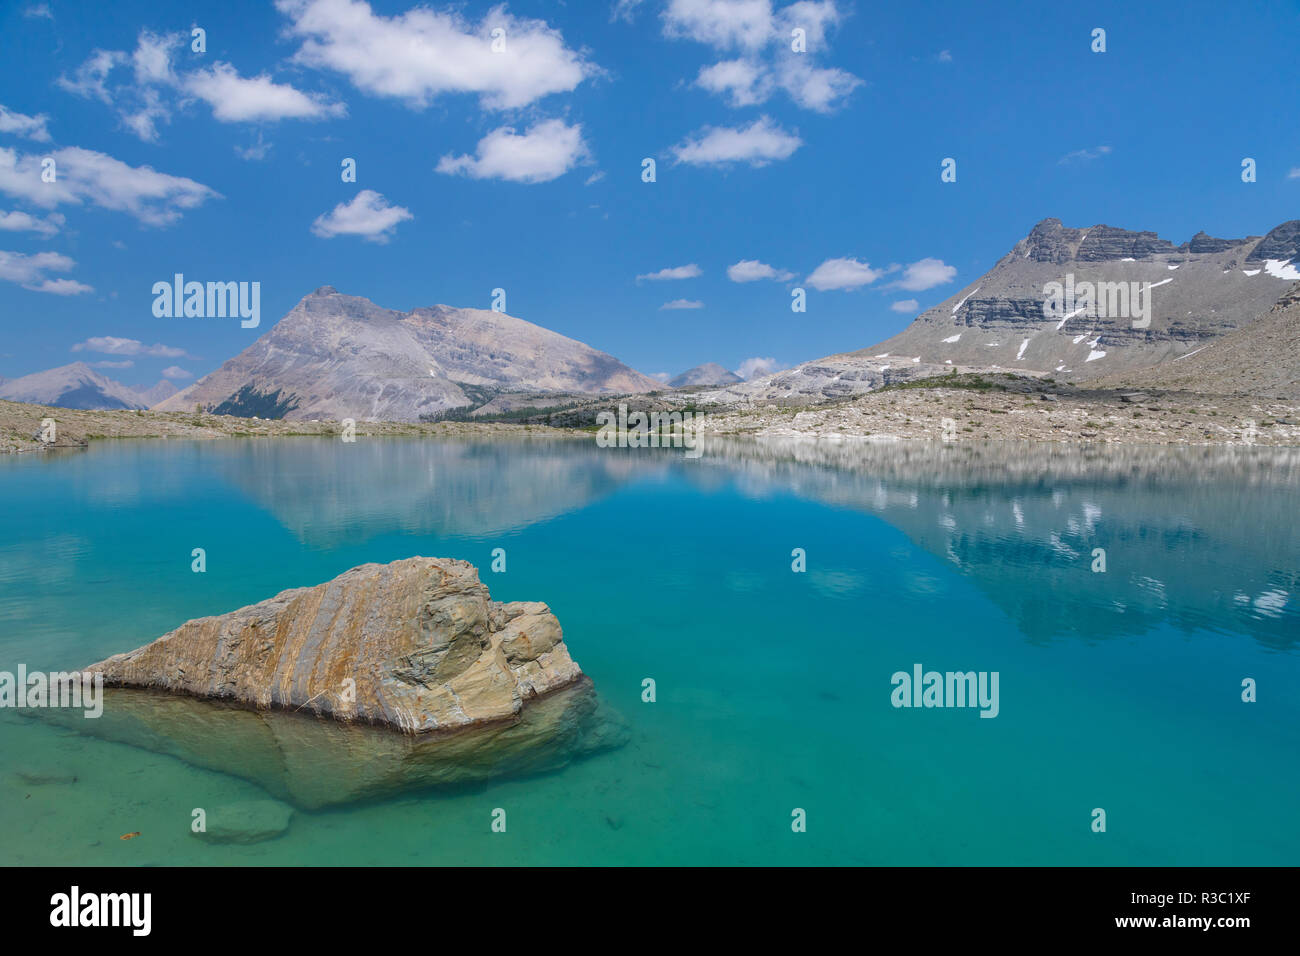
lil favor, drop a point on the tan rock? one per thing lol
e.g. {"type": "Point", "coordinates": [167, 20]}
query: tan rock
{"type": "Point", "coordinates": [417, 645]}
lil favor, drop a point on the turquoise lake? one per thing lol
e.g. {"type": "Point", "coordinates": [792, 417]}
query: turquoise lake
{"type": "Point", "coordinates": [1119, 690]}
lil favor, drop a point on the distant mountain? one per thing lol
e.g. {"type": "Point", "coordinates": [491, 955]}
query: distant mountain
{"type": "Point", "coordinates": [339, 356]}
{"type": "Point", "coordinates": [71, 386]}
{"type": "Point", "coordinates": [152, 396]}
{"type": "Point", "coordinates": [710, 373]}
{"type": "Point", "coordinates": [1198, 292]}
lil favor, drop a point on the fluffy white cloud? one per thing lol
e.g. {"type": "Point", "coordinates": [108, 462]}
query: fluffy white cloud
{"type": "Point", "coordinates": [681, 304]}
{"type": "Point", "coordinates": [758, 144]}
{"type": "Point", "coordinates": [755, 367]}
{"type": "Point", "coordinates": [112, 345]}
{"type": "Point", "coordinates": [676, 272]}
{"type": "Point", "coordinates": [906, 305]}
{"type": "Point", "coordinates": [764, 38]}
{"type": "Point", "coordinates": [85, 176]}
{"type": "Point", "coordinates": [751, 270]}
{"type": "Point", "coordinates": [176, 372]}
{"type": "Point", "coordinates": [421, 54]}
{"type": "Point", "coordinates": [843, 274]}
{"type": "Point", "coordinates": [926, 274]}
{"type": "Point", "coordinates": [746, 24]}
{"type": "Point", "coordinates": [240, 99]}
{"type": "Point", "coordinates": [546, 151]}
{"type": "Point", "coordinates": [1294, 173]}
{"type": "Point", "coordinates": [19, 124]}
{"type": "Point", "coordinates": [156, 88]}
{"type": "Point", "coordinates": [30, 272]}
{"type": "Point", "coordinates": [743, 82]}
{"type": "Point", "coordinates": [368, 215]}
{"type": "Point", "coordinates": [23, 222]}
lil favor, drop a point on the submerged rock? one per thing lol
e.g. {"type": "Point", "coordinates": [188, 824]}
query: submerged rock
{"type": "Point", "coordinates": [248, 821]}
{"type": "Point", "coordinates": [386, 678]}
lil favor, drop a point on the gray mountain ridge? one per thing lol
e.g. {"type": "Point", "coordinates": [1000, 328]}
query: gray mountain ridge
{"type": "Point", "coordinates": [336, 356]}
{"type": "Point", "coordinates": [1199, 291]}
{"type": "Point", "coordinates": [71, 386]}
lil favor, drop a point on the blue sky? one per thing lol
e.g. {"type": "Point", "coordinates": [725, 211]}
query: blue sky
{"type": "Point", "coordinates": [522, 169]}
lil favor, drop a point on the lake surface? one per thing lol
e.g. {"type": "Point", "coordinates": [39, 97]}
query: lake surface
{"type": "Point", "coordinates": [1119, 690]}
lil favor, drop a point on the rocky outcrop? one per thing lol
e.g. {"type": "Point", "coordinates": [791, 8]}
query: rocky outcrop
{"type": "Point", "coordinates": [1282, 244]}
{"type": "Point", "coordinates": [417, 645]}
{"type": "Point", "coordinates": [389, 677]}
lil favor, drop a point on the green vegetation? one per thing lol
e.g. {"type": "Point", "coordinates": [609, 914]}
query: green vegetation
{"type": "Point", "coordinates": [249, 402]}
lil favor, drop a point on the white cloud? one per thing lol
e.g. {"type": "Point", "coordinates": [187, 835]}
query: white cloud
{"type": "Point", "coordinates": [660, 376]}
{"type": "Point", "coordinates": [157, 89]}
{"type": "Point", "coordinates": [926, 274]}
{"type": "Point", "coordinates": [1083, 155]}
{"type": "Point", "coordinates": [820, 90]}
{"type": "Point", "coordinates": [767, 62]}
{"type": "Point", "coordinates": [90, 79]}
{"type": "Point", "coordinates": [758, 144]}
{"type": "Point", "coordinates": [681, 304]}
{"type": "Point", "coordinates": [754, 367]}
{"type": "Point", "coordinates": [906, 305]}
{"type": "Point", "coordinates": [944, 56]}
{"type": "Point", "coordinates": [751, 270]}
{"type": "Point", "coordinates": [368, 215]}
{"type": "Point", "coordinates": [38, 11]}
{"type": "Point", "coordinates": [23, 222]}
{"type": "Point", "coordinates": [112, 345]}
{"type": "Point", "coordinates": [1294, 174]}
{"type": "Point", "coordinates": [30, 272]}
{"type": "Point", "coordinates": [254, 152]}
{"type": "Point", "coordinates": [421, 54]}
{"type": "Point", "coordinates": [242, 99]}
{"type": "Point", "coordinates": [546, 151]}
{"type": "Point", "coordinates": [746, 24]}
{"type": "Point", "coordinates": [19, 124]}
{"type": "Point", "coordinates": [176, 372]}
{"type": "Point", "coordinates": [625, 10]}
{"type": "Point", "coordinates": [843, 274]}
{"type": "Point", "coordinates": [85, 176]}
{"type": "Point", "coordinates": [743, 82]}
{"type": "Point", "coordinates": [676, 272]}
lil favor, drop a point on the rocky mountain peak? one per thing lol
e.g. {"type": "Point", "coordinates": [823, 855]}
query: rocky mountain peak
{"type": "Point", "coordinates": [1282, 244]}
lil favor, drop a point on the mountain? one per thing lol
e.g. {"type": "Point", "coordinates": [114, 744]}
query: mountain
{"type": "Point", "coordinates": [1197, 293]}
{"type": "Point", "coordinates": [710, 373]}
{"type": "Point", "coordinates": [70, 386]}
{"type": "Point", "coordinates": [152, 396]}
{"type": "Point", "coordinates": [338, 356]}
{"type": "Point", "coordinates": [1262, 358]}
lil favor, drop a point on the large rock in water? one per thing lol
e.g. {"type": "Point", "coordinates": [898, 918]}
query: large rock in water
{"type": "Point", "coordinates": [385, 678]}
